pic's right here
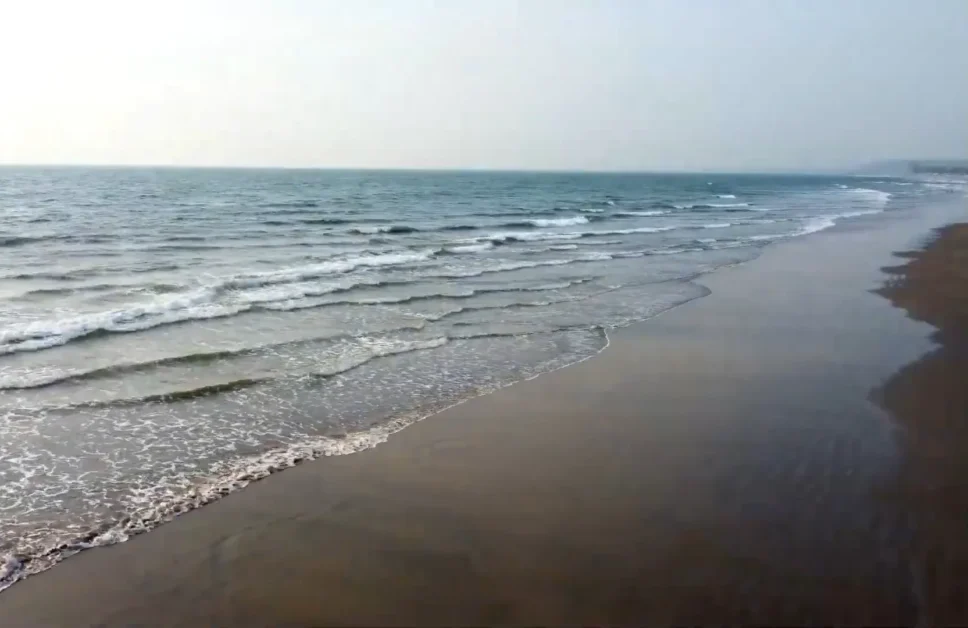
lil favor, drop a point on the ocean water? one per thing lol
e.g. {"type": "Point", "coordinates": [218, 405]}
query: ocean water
{"type": "Point", "coordinates": [167, 336]}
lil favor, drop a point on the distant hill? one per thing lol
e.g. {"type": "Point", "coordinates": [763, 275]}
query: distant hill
{"type": "Point", "coordinates": [905, 167]}
{"type": "Point", "coordinates": [959, 167]}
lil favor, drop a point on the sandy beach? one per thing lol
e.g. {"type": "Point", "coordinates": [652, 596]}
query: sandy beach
{"type": "Point", "coordinates": [787, 450]}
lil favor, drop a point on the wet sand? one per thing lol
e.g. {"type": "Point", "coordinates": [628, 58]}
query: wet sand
{"type": "Point", "coordinates": [930, 399]}
{"type": "Point", "coordinates": [721, 463]}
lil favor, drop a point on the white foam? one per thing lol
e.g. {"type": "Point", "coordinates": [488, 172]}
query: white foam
{"type": "Point", "coordinates": [878, 197]}
{"type": "Point", "coordinates": [525, 236]}
{"type": "Point", "coordinates": [298, 304]}
{"type": "Point", "coordinates": [675, 251]}
{"type": "Point", "coordinates": [817, 224]}
{"type": "Point", "coordinates": [717, 225]}
{"type": "Point", "coordinates": [559, 222]}
{"type": "Point", "coordinates": [626, 231]}
{"type": "Point", "coordinates": [821, 223]}
{"type": "Point", "coordinates": [530, 236]}
{"type": "Point", "coordinates": [290, 305]}
{"type": "Point", "coordinates": [713, 205]}
{"type": "Point", "coordinates": [44, 334]}
{"type": "Point", "coordinates": [10, 566]}
{"type": "Point", "coordinates": [592, 210]}
{"type": "Point", "coordinates": [866, 212]}
{"type": "Point", "coordinates": [199, 304]}
{"type": "Point", "coordinates": [268, 294]}
{"type": "Point", "coordinates": [561, 285]}
{"type": "Point", "coordinates": [726, 195]}
{"type": "Point", "coordinates": [949, 186]}
{"type": "Point", "coordinates": [655, 212]}
{"type": "Point", "coordinates": [382, 347]}
{"type": "Point", "coordinates": [458, 273]}
{"type": "Point", "coordinates": [471, 248]}
{"type": "Point", "coordinates": [597, 256]}
{"type": "Point", "coordinates": [332, 267]}
{"type": "Point", "coordinates": [554, 247]}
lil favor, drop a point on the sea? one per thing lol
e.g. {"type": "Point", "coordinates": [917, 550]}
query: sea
{"type": "Point", "coordinates": [168, 336]}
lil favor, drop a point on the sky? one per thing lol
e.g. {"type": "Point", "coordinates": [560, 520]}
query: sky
{"type": "Point", "coordinates": [593, 85]}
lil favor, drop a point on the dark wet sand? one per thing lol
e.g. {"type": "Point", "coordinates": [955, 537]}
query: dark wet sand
{"type": "Point", "coordinates": [930, 399]}
{"type": "Point", "coordinates": [722, 463]}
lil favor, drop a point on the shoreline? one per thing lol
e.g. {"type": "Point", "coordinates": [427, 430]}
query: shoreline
{"type": "Point", "coordinates": [243, 471]}
{"type": "Point", "coordinates": [256, 468]}
{"type": "Point", "coordinates": [157, 495]}
{"type": "Point", "coordinates": [631, 336]}
{"type": "Point", "coordinates": [246, 471]}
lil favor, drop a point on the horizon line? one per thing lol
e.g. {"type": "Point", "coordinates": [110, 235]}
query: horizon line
{"type": "Point", "coordinates": [495, 170]}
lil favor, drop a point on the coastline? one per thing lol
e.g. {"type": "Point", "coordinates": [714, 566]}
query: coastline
{"type": "Point", "coordinates": [491, 496]}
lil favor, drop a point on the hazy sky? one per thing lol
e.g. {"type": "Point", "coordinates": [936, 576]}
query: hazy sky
{"type": "Point", "coordinates": [607, 84]}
